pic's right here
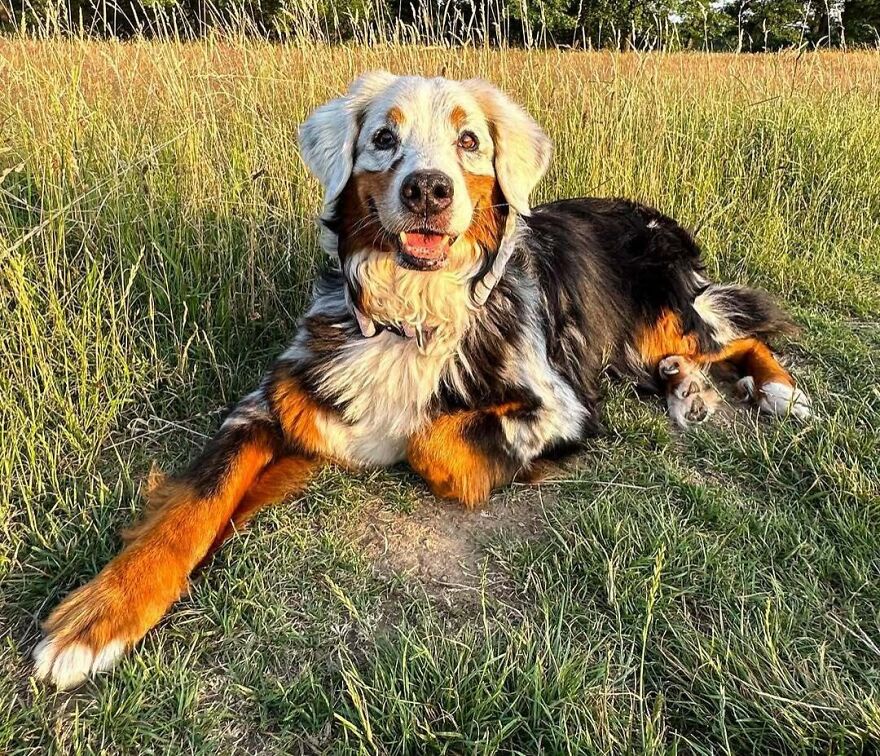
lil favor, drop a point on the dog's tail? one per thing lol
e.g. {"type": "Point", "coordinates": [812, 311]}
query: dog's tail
{"type": "Point", "coordinates": [729, 312]}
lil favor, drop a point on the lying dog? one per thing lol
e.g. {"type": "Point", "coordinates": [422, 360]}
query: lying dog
{"type": "Point", "coordinates": [461, 331]}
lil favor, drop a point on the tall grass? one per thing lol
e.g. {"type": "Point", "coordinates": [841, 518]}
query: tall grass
{"type": "Point", "coordinates": [448, 23]}
{"type": "Point", "coordinates": [156, 245]}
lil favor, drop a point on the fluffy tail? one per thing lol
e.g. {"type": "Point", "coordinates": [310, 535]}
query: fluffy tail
{"type": "Point", "coordinates": [731, 312]}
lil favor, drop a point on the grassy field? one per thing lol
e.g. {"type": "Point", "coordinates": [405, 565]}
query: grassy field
{"type": "Point", "coordinates": [718, 592]}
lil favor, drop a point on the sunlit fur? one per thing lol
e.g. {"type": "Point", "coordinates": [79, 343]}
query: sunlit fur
{"type": "Point", "coordinates": [390, 364]}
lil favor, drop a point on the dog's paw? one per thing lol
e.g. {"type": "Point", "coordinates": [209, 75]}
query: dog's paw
{"type": "Point", "coordinates": [87, 633]}
{"type": "Point", "coordinates": [776, 398]}
{"type": "Point", "coordinates": [695, 404]}
{"type": "Point", "coordinates": [67, 664]}
{"type": "Point", "coordinates": [675, 365]}
{"type": "Point", "coordinates": [690, 397]}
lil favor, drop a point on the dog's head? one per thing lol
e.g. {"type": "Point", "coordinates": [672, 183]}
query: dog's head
{"type": "Point", "coordinates": [423, 171]}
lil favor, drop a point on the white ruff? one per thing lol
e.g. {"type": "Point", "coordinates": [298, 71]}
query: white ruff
{"type": "Point", "coordinates": [439, 300]}
{"type": "Point", "coordinates": [386, 383]}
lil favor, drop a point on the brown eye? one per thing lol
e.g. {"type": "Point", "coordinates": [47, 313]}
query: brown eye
{"type": "Point", "coordinates": [385, 139]}
{"type": "Point", "coordinates": [468, 141]}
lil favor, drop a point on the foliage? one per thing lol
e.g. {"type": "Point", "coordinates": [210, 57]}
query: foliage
{"type": "Point", "coordinates": [750, 25]}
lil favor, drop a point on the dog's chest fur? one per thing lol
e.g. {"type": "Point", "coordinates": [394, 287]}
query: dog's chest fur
{"type": "Point", "coordinates": [385, 388]}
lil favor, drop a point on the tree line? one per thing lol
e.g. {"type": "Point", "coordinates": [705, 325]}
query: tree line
{"type": "Point", "coordinates": [717, 25]}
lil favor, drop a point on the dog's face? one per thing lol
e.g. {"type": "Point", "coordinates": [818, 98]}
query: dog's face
{"type": "Point", "coordinates": [423, 171]}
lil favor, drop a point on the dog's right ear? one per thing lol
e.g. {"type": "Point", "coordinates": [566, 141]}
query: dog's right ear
{"type": "Point", "coordinates": [327, 138]}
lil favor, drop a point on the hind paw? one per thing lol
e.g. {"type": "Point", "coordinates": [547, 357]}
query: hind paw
{"type": "Point", "coordinates": [87, 633]}
{"type": "Point", "coordinates": [675, 365]}
{"type": "Point", "coordinates": [696, 406]}
{"type": "Point", "coordinates": [776, 398]}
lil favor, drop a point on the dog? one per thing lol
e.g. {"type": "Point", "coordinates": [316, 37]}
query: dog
{"type": "Point", "coordinates": [459, 330]}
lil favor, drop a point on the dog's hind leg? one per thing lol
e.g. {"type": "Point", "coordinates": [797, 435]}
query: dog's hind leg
{"type": "Point", "coordinates": [281, 479]}
{"type": "Point", "coordinates": [765, 381]}
{"type": "Point", "coordinates": [188, 515]}
{"type": "Point", "coordinates": [740, 321]}
{"type": "Point", "coordinates": [726, 323]}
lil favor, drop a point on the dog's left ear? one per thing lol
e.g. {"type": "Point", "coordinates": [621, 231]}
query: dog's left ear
{"type": "Point", "coordinates": [327, 138]}
{"type": "Point", "coordinates": [522, 149]}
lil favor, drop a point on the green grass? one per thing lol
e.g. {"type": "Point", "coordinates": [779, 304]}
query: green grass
{"type": "Point", "coordinates": [718, 592]}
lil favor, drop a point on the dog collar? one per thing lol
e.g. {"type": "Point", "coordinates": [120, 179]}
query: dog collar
{"type": "Point", "coordinates": [483, 287]}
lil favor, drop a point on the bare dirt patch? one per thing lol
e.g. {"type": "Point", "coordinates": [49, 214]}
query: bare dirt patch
{"type": "Point", "coordinates": [443, 546]}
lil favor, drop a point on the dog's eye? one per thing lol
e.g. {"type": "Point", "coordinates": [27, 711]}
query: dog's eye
{"type": "Point", "coordinates": [385, 139]}
{"type": "Point", "coordinates": [468, 141]}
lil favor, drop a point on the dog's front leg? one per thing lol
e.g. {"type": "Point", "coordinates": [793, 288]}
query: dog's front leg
{"type": "Point", "coordinates": [464, 455]}
{"type": "Point", "coordinates": [249, 463]}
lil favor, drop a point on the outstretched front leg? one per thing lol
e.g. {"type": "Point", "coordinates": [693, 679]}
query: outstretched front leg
{"type": "Point", "coordinates": [465, 455]}
{"type": "Point", "coordinates": [249, 463]}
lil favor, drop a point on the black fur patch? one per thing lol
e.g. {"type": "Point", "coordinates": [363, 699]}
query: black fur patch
{"type": "Point", "coordinates": [208, 471]}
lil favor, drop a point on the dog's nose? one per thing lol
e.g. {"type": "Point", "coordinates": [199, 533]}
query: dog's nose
{"type": "Point", "coordinates": [426, 192]}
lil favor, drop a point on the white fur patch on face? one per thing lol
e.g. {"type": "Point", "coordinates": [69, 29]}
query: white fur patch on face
{"type": "Point", "coordinates": [327, 138]}
{"type": "Point", "coordinates": [427, 117]}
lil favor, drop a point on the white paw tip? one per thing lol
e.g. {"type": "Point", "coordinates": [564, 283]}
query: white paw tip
{"type": "Point", "coordinates": [783, 399]}
{"type": "Point", "coordinates": [108, 656]}
{"type": "Point", "coordinates": [72, 665]}
{"type": "Point", "coordinates": [43, 655]}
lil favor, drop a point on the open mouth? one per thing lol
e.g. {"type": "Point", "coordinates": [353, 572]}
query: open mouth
{"type": "Point", "coordinates": [423, 249]}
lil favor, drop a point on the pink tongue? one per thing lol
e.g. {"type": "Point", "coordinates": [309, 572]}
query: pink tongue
{"type": "Point", "coordinates": [424, 245]}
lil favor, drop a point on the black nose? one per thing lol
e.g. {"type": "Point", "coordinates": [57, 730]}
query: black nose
{"type": "Point", "coordinates": [426, 192]}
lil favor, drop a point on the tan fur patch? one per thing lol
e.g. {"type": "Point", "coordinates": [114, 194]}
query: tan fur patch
{"type": "Point", "coordinates": [298, 414]}
{"type": "Point", "coordinates": [458, 117]}
{"type": "Point", "coordinates": [487, 224]}
{"type": "Point", "coordinates": [279, 480]}
{"type": "Point", "coordinates": [452, 466]}
{"type": "Point", "coordinates": [754, 358]}
{"type": "Point", "coordinates": [396, 116]}
{"type": "Point", "coordinates": [360, 226]}
{"type": "Point", "coordinates": [664, 337]}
